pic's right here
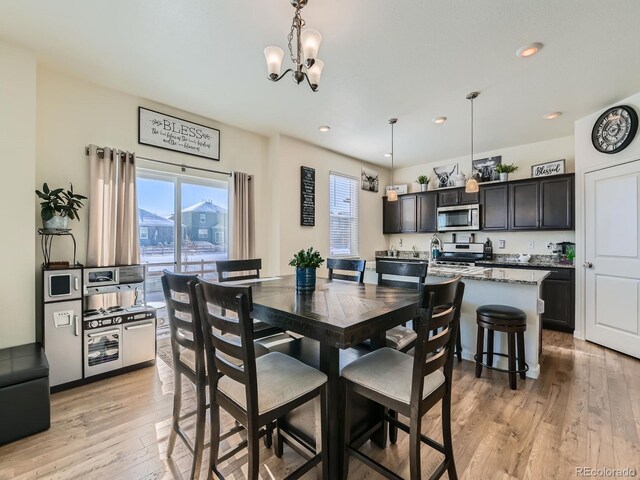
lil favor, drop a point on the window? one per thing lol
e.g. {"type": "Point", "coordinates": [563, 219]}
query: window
{"type": "Point", "coordinates": [219, 237]}
{"type": "Point", "coordinates": [203, 218]}
{"type": "Point", "coordinates": [203, 233]}
{"type": "Point", "coordinates": [144, 233]}
{"type": "Point", "coordinates": [343, 215]}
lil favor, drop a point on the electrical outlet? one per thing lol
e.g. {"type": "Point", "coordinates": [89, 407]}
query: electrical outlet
{"type": "Point", "coordinates": [501, 243]}
{"type": "Point", "coordinates": [532, 245]}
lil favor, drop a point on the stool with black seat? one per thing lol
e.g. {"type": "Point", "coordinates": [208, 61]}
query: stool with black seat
{"type": "Point", "coordinates": [410, 386]}
{"type": "Point", "coordinates": [255, 391]}
{"type": "Point", "coordinates": [346, 265]}
{"type": "Point", "coordinates": [513, 322]}
{"type": "Point", "coordinates": [246, 270]}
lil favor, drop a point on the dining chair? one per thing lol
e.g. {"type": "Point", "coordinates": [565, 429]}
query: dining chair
{"type": "Point", "coordinates": [411, 386]}
{"type": "Point", "coordinates": [346, 265]}
{"type": "Point", "coordinates": [246, 270]}
{"type": "Point", "coordinates": [254, 391]}
{"type": "Point", "coordinates": [401, 337]}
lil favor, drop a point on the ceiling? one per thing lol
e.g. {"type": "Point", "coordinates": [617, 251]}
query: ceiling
{"type": "Point", "coordinates": [414, 60]}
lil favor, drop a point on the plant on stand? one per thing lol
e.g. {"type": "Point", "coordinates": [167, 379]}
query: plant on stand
{"type": "Point", "coordinates": [58, 206]}
{"type": "Point", "coordinates": [423, 180]}
{"type": "Point", "coordinates": [504, 170]}
{"type": "Point", "coordinates": [306, 263]}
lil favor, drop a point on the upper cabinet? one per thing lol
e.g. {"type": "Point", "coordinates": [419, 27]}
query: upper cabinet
{"type": "Point", "coordinates": [427, 214]}
{"type": "Point", "coordinates": [494, 206]}
{"type": "Point", "coordinates": [524, 210]}
{"type": "Point", "coordinates": [556, 203]}
{"type": "Point", "coordinates": [390, 216]}
{"type": "Point", "coordinates": [408, 212]}
{"type": "Point", "coordinates": [456, 196]}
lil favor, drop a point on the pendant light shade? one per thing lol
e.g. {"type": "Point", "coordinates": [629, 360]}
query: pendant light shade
{"type": "Point", "coordinates": [472, 183]}
{"type": "Point", "coordinates": [392, 195]}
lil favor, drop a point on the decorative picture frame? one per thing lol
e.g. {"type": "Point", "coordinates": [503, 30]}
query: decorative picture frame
{"type": "Point", "coordinates": [369, 180]}
{"type": "Point", "coordinates": [446, 175]}
{"type": "Point", "coordinates": [400, 189]}
{"type": "Point", "coordinates": [484, 169]}
{"type": "Point", "coordinates": [548, 169]}
{"type": "Point", "coordinates": [164, 131]}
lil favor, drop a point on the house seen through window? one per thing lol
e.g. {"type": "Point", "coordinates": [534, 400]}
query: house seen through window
{"type": "Point", "coordinates": [343, 215]}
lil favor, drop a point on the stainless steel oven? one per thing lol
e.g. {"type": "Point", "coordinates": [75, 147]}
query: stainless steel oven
{"type": "Point", "coordinates": [459, 218]}
{"type": "Point", "coordinates": [102, 349]}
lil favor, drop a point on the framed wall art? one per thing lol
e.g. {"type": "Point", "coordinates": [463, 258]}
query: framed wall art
{"type": "Point", "coordinates": [547, 169]}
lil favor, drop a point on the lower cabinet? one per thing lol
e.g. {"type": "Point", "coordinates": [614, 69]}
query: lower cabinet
{"type": "Point", "coordinates": [558, 293]}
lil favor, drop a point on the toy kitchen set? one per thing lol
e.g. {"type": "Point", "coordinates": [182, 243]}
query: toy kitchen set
{"type": "Point", "coordinates": [94, 324]}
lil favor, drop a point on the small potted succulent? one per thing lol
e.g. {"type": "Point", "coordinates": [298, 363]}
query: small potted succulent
{"type": "Point", "coordinates": [504, 170]}
{"type": "Point", "coordinates": [423, 180]}
{"type": "Point", "coordinates": [306, 263]}
{"type": "Point", "coordinates": [58, 206]}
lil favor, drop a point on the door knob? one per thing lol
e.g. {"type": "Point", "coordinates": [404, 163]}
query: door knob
{"type": "Point", "coordinates": [587, 265]}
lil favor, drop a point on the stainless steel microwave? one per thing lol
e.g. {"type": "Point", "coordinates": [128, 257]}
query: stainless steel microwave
{"type": "Point", "coordinates": [62, 285]}
{"type": "Point", "coordinates": [101, 276]}
{"type": "Point", "coordinates": [459, 218]}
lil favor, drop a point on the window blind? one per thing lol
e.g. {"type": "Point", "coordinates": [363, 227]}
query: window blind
{"type": "Point", "coordinates": [343, 215]}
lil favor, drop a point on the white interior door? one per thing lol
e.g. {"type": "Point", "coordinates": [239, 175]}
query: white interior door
{"type": "Point", "coordinates": [612, 254]}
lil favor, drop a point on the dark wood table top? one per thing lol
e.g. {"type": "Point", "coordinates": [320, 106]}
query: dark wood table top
{"type": "Point", "coordinates": [339, 313]}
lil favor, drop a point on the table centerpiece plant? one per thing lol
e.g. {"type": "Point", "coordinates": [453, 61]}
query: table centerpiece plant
{"type": "Point", "coordinates": [307, 263]}
{"type": "Point", "coordinates": [58, 206]}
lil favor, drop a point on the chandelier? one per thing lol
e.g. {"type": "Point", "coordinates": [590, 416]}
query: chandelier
{"type": "Point", "coordinates": [307, 42]}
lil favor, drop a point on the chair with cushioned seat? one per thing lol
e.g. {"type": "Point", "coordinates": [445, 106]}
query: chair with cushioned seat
{"type": "Point", "coordinates": [346, 265]}
{"type": "Point", "coordinates": [513, 322]}
{"type": "Point", "coordinates": [401, 337]}
{"type": "Point", "coordinates": [255, 391]}
{"type": "Point", "coordinates": [410, 385]}
{"type": "Point", "coordinates": [234, 270]}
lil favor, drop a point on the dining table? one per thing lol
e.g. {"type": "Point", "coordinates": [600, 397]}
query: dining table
{"type": "Point", "coordinates": [338, 315]}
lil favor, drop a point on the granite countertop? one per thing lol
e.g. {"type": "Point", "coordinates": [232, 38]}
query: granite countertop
{"type": "Point", "coordinates": [545, 261]}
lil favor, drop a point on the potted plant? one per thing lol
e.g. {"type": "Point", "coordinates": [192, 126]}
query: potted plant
{"type": "Point", "coordinates": [504, 170]}
{"type": "Point", "coordinates": [58, 206]}
{"type": "Point", "coordinates": [423, 180]}
{"type": "Point", "coordinates": [306, 263]}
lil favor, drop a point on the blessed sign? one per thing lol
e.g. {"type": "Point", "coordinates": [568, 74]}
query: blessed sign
{"type": "Point", "coordinates": [546, 169]}
{"type": "Point", "coordinates": [307, 196]}
{"type": "Point", "coordinates": [172, 133]}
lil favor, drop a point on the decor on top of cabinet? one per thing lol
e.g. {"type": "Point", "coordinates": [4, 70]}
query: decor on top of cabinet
{"type": "Point", "coordinates": [504, 170]}
{"type": "Point", "coordinates": [370, 180]}
{"type": "Point", "coordinates": [423, 180]}
{"type": "Point", "coordinates": [446, 175]}
{"type": "Point", "coordinates": [306, 263]}
{"type": "Point", "coordinates": [484, 169]}
{"type": "Point", "coordinates": [547, 169]}
{"type": "Point", "coordinates": [399, 189]}
{"type": "Point", "coordinates": [58, 206]}
{"type": "Point", "coordinates": [460, 180]}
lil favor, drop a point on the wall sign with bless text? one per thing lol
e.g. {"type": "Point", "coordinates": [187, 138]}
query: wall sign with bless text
{"type": "Point", "coordinates": [307, 196]}
{"type": "Point", "coordinates": [547, 169]}
{"type": "Point", "coordinates": [172, 133]}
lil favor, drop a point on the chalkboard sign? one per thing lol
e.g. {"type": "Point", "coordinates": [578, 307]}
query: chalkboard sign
{"type": "Point", "coordinates": [307, 196]}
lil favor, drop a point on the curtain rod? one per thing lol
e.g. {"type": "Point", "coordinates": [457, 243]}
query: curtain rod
{"type": "Point", "coordinates": [182, 166]}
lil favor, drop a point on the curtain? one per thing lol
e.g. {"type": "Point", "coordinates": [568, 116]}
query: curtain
{"type": "Point", "coordinates": [242, 244]}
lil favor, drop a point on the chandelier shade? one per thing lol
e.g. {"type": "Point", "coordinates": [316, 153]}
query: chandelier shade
{"type": "Point", "coordinates": [273, 56]}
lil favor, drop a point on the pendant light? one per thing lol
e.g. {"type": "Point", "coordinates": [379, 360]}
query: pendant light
{"type": "Point", "coordinates": [472, 183]}
{"type": "Point", "coordinates": [392, 195]}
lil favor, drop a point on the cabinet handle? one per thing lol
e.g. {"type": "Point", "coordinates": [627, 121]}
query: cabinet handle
{"type": "Point", "coordinates": [137, 327]}
{"type": "Point", "coordinates": [76, 325]}
{"type": "Point", "coordinates": [100, 334]}
{"type": "Point", "coordinates": [76, 283]}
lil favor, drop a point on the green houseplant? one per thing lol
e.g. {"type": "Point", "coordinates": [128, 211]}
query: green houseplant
{"type": "Point", "coordinates": [504, 170]}
{"type": "Point", "coordinates": [58, 206]}
{"type": "Point", "coordinates": [423, 180]}
{"type": "Point", "coordinates": [306, 263]}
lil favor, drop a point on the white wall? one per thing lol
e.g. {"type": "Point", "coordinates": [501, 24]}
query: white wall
{"type": "Point", "coordinates": [290, 155]}
{"type": "Point", "coordinates": [523, 156]}
{"type": "Point", "coordinates": [588, 159]}
{"type": "Point", "coordinates": [17, 151]}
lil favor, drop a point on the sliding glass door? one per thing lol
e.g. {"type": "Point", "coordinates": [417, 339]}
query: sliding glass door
{"type": "Point", "coordinates": [183, 227]}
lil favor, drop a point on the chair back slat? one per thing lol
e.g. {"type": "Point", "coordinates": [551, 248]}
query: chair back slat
{"type": "Point", "coordinates": [225, 267]}
{"type": "Point", "coordinates": [435, 362]}
{"type": "Point", "coordinates": [346, 265]}
{"type": "Point", "coordinates": [214, 300]}
{"type": "Point", "coordinates": [417, 270]}
{"type": "Point", "coordinates": [185, 332]}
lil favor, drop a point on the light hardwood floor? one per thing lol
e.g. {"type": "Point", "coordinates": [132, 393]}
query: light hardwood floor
{"type": "Point", "coordinates": [583, 411]}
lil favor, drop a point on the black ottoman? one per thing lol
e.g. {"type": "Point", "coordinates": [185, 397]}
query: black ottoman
{"type": "Point", "coordinates": [24, 392]}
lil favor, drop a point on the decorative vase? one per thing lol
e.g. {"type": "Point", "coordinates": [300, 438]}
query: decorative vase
{"type": "Point", "coordinates": [305, 279]}
{"type": "Point", "coordinates": [504, 177]}
{"type": "Point", "coordinates": [423, 187]}
{"type": "Point", "coordinates": [56, 222]}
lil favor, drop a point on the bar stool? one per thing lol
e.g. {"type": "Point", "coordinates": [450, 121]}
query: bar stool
{"type": "Point", "coordinates": [513, 322]}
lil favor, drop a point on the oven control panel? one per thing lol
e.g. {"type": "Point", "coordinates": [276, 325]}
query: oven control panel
{"type": "Point", "coordinates": [107, 321]}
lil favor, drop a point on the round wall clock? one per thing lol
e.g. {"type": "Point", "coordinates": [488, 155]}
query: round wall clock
{"type": "Point", "coordinates": [615, 129]}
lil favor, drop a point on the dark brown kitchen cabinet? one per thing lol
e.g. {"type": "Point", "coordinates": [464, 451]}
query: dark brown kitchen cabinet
{"type": "Point", "coordinates": [558, 293]}
{"type": "Point", "coordinates": [556, 203]}
{"type": "Point", "coordinates": [524, 211]}
{"type": "Point", "coordinates": [456, 196]}
{"type": "Point", "coordinates": [390, 216]}
{"type": "Point", "coordinates": [408, 213]}
{"type": "Point", "coordinates": [494, 201]}
{"type": "Point", "coordinates": [427, 215]}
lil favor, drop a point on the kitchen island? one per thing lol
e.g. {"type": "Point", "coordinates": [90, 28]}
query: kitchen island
{"type": "Point", "coordinates": [507, 286]}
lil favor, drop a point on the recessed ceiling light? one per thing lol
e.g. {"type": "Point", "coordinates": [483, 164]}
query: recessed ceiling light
{"type": "Point", "coordinates": [439, 120]}
{"type": "Point", "coordinates": [324, 128]}
{"type": "Point", "coordinates": [387, 155]}
{"type": "Point", "coordinates": [529, 49]}
{"type": "Point", "coordinates": [552, 115]}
